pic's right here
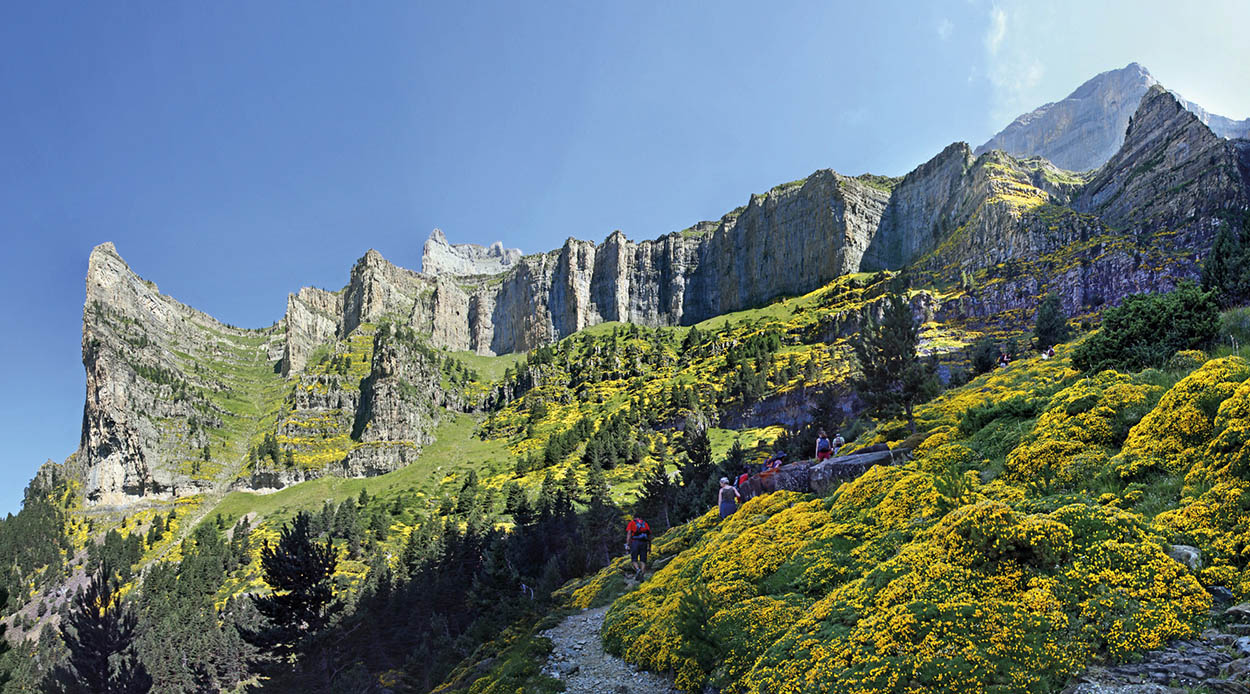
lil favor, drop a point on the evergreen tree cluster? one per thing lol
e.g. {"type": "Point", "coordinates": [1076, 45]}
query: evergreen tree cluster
{"type": "Point", "coordinates": [1226, 270]}
{"type": "Point", "coordinates": [456, 373]}
{"type": "Point", "coordinates": [614, 443]}
{"type": "Point", "coordinates": [459, 580]}
{"type": "Point", "coordinates": [35, 538]}
{"type": "Point", "coordinates": [100, 636]}
{"type": "Point", "coordinates": [116, 550]}
{"type": "Point", "coordinates": [1145, 330]}
{"type": "Point", "coordinates": [185, 643]}
{"type": "Point", "coordinates": [268, 449]}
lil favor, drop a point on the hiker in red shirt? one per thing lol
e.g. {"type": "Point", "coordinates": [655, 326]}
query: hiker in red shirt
{"type": "Point", "coordinates": [638, 541]}
{"type": "Point", "coordinates": [824, 447]}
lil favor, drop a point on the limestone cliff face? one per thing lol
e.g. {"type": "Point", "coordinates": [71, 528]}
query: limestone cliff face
{"type": "Point", "coordinates": [151, 405]}
{"type": "Point", "coordinates": [439, 257]}
{"type": "Point", "coordinates": [925, 206]}
{"type": "Point", "coordinates": [312, 319]}
{"type": "Point", "coordinates": [399, 407]}
{"type": "Point", "coordinates": [1171, 172]}
{"type": "Point", "coordinates": [956, 215]}
{"type": "Point", "coordinates": [787, 241]}
{"type": "Point", "coordinates": [176, 401]}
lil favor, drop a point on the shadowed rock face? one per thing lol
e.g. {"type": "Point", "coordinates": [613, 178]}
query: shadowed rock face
{"type": "Point", "coordinates": [1172, 171]}
{"type": "Point", "coordinates": [1084, 130]}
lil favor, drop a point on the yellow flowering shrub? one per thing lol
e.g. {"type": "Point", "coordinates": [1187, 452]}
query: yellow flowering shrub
{"type": "Point", "coordinates": [947, 457]}
{"type": "Point", "coordinates": [875, 589]}
{"type": "Point", "coordinates": [1215, 514]}
{"type": "Point", "coordinates": [1171, 437]}
{"type": "Point", "coordinates": [1080, 427]}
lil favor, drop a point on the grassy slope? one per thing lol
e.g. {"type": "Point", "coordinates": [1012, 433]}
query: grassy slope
{"type": "Point", "coordinates": [454, 452]}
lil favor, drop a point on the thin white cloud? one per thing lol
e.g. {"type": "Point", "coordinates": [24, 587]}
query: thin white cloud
{"type": "Point", "coordinates": [997, 30]}
{"type": "Point", "coordinates": [944, 28]}
{"type": "Point", "coordinates": [1011, 66]}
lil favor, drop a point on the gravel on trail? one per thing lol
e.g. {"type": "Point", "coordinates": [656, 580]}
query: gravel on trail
{"type": "Point", "coordinates": [579, 661]}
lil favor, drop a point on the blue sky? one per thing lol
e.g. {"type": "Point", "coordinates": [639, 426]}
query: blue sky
{"type": "Point", "coordinates": [237, 151]}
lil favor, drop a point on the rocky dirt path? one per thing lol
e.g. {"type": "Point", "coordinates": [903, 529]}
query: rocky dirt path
{"type": "Point", "coordinates": [579, 661]}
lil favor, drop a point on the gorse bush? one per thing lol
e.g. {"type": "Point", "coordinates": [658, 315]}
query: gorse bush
{"type": "Point", "coordinates": [876, 589]}
{"type": "Point", "coordinates": [975, 418]}
{"type": "Point", "coordinates": [926, 577]}
{"type": "Point", "coordinates": [1147, 329]}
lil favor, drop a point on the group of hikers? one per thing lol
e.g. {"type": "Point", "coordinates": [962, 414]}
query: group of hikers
{"type": "Point", "coordinates": [638, 533]}
{"type": "Point", "coordinates": [730, 494]}
{"type": "Point", "coordinates": [1004, 361]}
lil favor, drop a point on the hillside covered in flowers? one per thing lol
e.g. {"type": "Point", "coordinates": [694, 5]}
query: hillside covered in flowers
{"type": "Point", "coordinates": [1031, 534]}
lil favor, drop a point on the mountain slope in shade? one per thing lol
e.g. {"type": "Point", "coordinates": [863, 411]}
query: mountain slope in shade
{"type": "Point", "coordinates": [1084, 130]}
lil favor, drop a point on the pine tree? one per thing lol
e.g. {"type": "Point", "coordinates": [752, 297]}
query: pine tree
{"type": "Point", "coordinates": [1052, 325]}
{"type": "Point", "coordinates": [99, 632]}
{"type": "Point", "coordinates": [893, 377]}
{"type": "Point", "coordinates": [698, 473]}
{"type": "Point", "coordinates": [569, 486]}
{"type": "Point", "coordinates": [299, 572]}
{"type": "Point", "coordinates": [601, 522]}
{"type": "Point", "coordinates": [983, 355]}
{"type": "Point", "coordinates": [656, 499]}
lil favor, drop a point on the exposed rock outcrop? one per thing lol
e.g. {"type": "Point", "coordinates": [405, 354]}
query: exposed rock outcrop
{"type": "Point", "coordinates": [151, 401]}
{"type": "Point", "coordinates": [399, 407]}
{"type": "Point", "coordinates": [465, 259]}
{"type": "Point", "coordinates": [1172, 173]}
{"type": "Point", "coordinates": [312, 319]}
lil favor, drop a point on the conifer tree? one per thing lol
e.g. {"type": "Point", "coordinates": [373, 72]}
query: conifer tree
{"type": "Point", "coordinates": [299, 571]}
{"type": "Point", "coordinates": [698, 483]}
{"type": "Point", "coordinates": [1052, 325]}
{"type": "Point", "coordinates": [656, 499]}
{"type": "Point", "coordinates": [99, 632]}
{"type": "Point", "coordinates": [602, 518]}
{"type": "Point", "coordinates": [894, 379]}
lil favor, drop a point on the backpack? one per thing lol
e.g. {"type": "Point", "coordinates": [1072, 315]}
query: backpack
{"type": "Point", "coordinates": [822, 444]}
{"type": "Point", "coordinates": [641, 530]}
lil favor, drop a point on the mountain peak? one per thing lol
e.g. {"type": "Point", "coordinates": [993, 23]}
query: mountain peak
{"type": "Point", "coordinates": [1085, 129]}
{"type": "Point", "coordinates": [1167, 147]}
{"type": "Point", "coordinates": [438, 257]}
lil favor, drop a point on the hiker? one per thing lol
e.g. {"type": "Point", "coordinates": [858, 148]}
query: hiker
{"type": "Point", "coordinates": [1003, 361]}
{"type": "Point", "coordinates": [838, 443]}
{"type": "Point", "coordinates": [728, 498]}
{"type": "Point", "coordinates": [638, 541]}
{"type": "Point", "coordinates": [824, 448]}
{"type": "Point", "coordinates": [773, 462]}
{"type": "Point", "coordinates": [1050, 353]}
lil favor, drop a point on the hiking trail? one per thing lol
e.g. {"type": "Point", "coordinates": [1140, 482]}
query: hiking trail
{"type": "Point", "coordinates": [579, 661]}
